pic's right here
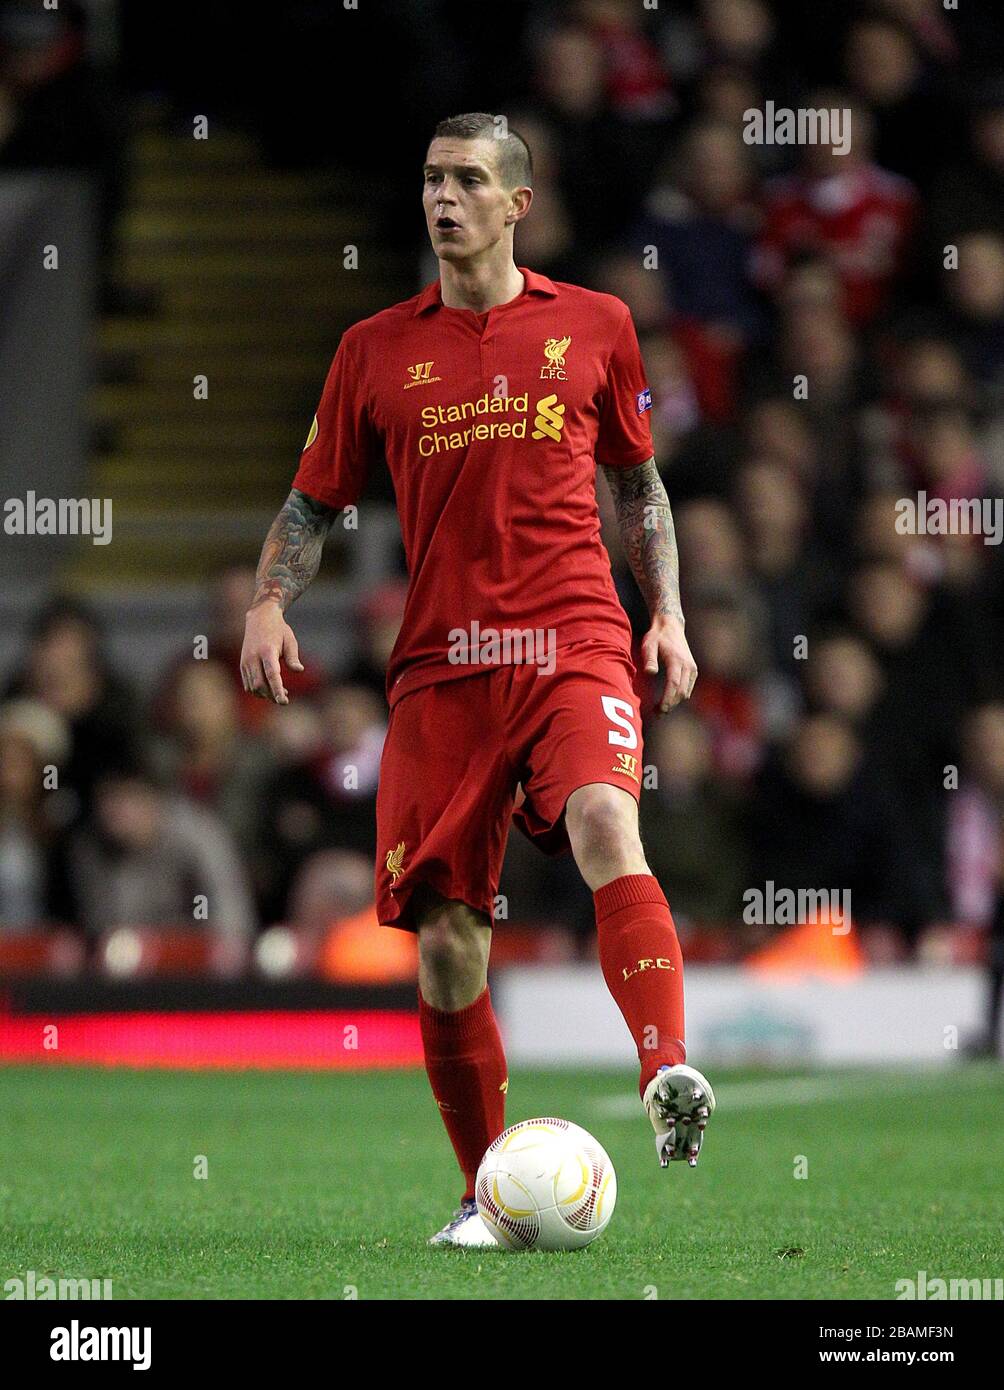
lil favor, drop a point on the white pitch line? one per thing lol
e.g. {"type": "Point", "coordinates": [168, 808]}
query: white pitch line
{"type": "Point", "coordinates": [801, 1090]}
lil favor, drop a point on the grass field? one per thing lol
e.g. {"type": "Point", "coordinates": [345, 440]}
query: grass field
{"type": "Point", "coordinates": [319, 1183]}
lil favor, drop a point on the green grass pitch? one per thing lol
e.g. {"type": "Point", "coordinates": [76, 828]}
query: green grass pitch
{"type": "Point", "coordinates": [325, 1185]}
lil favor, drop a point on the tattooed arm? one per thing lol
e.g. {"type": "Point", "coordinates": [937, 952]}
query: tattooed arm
{"type": "Point", "coordinates": [289, 560]}
{"type": "Point", "coordinates": [645, 522]}
{"type": "Point", "coordinates": [291, 554]}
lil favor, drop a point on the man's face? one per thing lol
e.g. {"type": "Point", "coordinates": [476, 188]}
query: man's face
{"type": "Point", "coordinates": [467, 207]}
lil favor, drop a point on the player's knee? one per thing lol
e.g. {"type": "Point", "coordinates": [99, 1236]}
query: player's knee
{"type": "Point", "coordinates": [442, 947]}
{"type": "Point", "coordinates": [602, 822]}
{"type": "Point", "coordinates": [453, 945]}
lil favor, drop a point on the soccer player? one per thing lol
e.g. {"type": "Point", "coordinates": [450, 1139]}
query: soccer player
{"type": "Point", "coordinates": [492, 395]}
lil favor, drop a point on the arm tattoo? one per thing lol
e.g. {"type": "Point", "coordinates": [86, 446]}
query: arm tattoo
{"type": "Point", "coordinates": [291, 554]}
{"type": "Point", "coordinates": [646, 526]}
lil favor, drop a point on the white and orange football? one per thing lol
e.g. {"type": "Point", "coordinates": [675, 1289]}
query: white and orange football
{"type": "Point", "coordinates": [546, 1185]}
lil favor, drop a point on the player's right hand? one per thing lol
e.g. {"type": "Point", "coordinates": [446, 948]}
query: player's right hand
{"type": "Point", "coordinates": [268, 638]}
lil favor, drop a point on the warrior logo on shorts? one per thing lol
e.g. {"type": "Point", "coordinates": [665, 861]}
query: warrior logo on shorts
{"type": "Point", "coordinates": [395, 863]}
{"type": "Point", "coordinates": [628, 764]}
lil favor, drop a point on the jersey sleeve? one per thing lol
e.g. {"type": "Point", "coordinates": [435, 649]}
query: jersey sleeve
{"type": "Point", "coordinates": [625, 435]}
{"type": "Point", "coordinates": [342, 443]}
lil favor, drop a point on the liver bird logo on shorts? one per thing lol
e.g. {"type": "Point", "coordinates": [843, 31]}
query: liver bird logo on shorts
{"type": "Point", "coordinates": [554, 351]}
{"type": "Point", "coordinates": [395, 863]}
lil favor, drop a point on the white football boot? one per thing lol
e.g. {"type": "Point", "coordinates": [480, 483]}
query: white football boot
{"type": "Point", "coordinates": [465, 1227]}
{"type": "Point", "coordinates": [679, 1101]}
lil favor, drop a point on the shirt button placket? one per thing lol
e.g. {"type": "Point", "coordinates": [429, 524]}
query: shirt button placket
{"type": "Point", "coordinates": [488, 355]}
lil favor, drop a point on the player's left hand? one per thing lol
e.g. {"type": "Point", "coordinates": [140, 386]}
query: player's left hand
{"type": "Point", "coordinates": [665, 645]}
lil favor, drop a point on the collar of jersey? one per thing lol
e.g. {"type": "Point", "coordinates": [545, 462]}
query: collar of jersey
{"type": "Point", "coordinates": [432, 296]}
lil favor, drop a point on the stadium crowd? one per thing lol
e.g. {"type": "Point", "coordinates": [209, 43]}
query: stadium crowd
{"type": "Point", "coordinates": [847, 728]}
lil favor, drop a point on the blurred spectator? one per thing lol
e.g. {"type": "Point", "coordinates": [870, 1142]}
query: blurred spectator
{"type": "Point", "coordinates": [638, 95]}
{"type": "Point", "coordinates": [817, 344]}
{"type": "Point", "coordinates": [676, 409]}
{"type": "Point", "coordinates": [821, 819]}
{"type": "Point", "coordinates": [326, 798]}
{"type": "Point", "coordinates": [332, 904]}
{"type": "Point", "coordinates": [928, 680]}
{"type": "Point", "coordinates": [231, 596]}
{"type": "Point", "coordinates": [712, 556]}
{"type": "Point", "coordinates": [975, 295]}
{"type": "Point", "coordinates": [859, 216]}
{"type": "Point", "coordinates": [32, 739]}
{"type": "Point", "coordinates": [636, 83]}
{"type": "Point", "coordinates": [930, 26]}
{"type": "Point", "coordinates": [975, 829]}
{"type": "Point", "coordinates": [942, 449]}
{"type": "Point", "coordinates": [205, 754]}
{"type": "Point", "coordinates": [699, 222]}
{"type": "Point", "coordinates": [931, 372]}
{"type": "Point", "coordinates": [992, 1044]}
{"type": "Point", "coordinates": [693, 824]}
{"type": "Point", "coordinates": [67, 670]}
{"type": "Point", "coordinates": [737, 31]}
{"type": "Point", "coordinates": [792, 576]}
{"type": "Point", "coordinates": [145, 857]}
{"type": "Point", "coordinates": [781, 430]}
{"type": "Point", "coordinates": [967, 194]}
{"type": "Point", "coordinates": [56, 111]}
{"type": "Point", "coordinates": [843, 678]}
{"type": "Point", "coordinates": [725, 92]}
{"type": "Point", "coordinates": [924, 372]}
{"type": "Point", "coordinates": [884, 67]}
{"type": "Point", "coordinates": [379, 622]}
{"type": "Point", "coordinates": [330, 885]}
{"type": "Point", "coordinates": [546, 240]}
{"type": "Point", "coordinates": [726, 639]}
{"type": "Point", "coordinates": [570, 79]}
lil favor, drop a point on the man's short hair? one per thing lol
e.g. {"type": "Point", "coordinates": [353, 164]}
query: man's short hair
{"type": "Point", "coordinates": [515, 163]}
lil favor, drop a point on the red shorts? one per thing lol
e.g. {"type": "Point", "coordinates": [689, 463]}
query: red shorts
{"type": "Point", "coordinates": [457, 750]}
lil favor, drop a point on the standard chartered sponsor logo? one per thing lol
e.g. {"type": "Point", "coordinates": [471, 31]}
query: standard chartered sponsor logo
{"type": "Point", "coordinates": [550, 418]}
{"type": "Point", "coordinates": [485, 422]}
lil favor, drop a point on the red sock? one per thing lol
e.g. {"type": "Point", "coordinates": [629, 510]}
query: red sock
{"type": "Point", "coordinates": [643, 966]}
{"type": "Point", "coordinates": [467, 1072]}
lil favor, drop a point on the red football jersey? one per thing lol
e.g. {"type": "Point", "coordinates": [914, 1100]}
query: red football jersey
{"type": "Point", "coordinates": [492, 426]}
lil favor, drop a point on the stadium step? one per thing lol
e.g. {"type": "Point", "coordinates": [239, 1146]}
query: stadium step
{"type": "Point", "coordinates": [290, 226]}
{"type": "Point", "coordinates": [163, 401]}
{"type": "Point", "coordinates": [132, 335]}
{"type": "Point", "coordinates": [156, 188]}
{"type": "Point", "coordinates": [316, 261]}
{"type": "Point", "coordinates": [250, 363]}
{"type": "Point", "coordinates": [246, 265]}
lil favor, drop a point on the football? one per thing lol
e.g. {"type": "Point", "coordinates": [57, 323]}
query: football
{"type": "Point", "coordinates": [546, 1185]}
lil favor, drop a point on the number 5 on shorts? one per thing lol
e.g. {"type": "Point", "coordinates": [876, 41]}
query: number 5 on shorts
{"type": "Point", "coordinates": [619, 712]}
